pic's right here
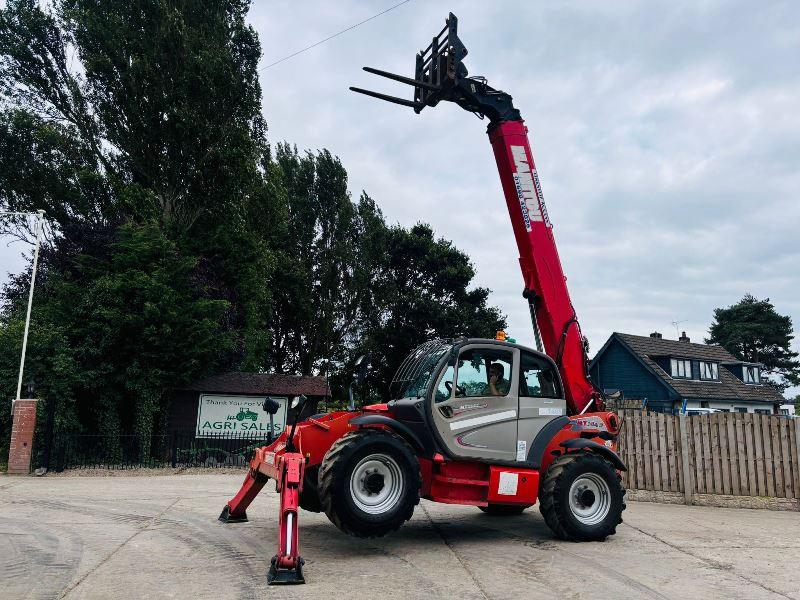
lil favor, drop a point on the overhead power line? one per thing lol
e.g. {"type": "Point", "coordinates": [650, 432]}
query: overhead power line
{"type": "Point", "coordinates": [337, 34]}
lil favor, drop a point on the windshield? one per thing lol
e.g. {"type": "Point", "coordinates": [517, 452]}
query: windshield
{"type": "Point", "coordinates": [415, 372]}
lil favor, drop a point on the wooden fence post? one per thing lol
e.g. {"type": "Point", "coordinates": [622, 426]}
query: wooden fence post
{"type": "Point", "coordinates": [688, 484]}
{"type": "Point", "coordinates": [797, 454]}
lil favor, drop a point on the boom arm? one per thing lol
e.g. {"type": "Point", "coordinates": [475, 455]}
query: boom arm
{"type": "Point", "coordinates": [440, 75]}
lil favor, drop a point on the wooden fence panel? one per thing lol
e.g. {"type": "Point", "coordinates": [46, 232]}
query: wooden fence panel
{"type": "Point", "coordinates": [716, 453]}
{"type": "Point", "coordinates": [708, 457]}
{"type": "Point", "coordinates": [662, 452]}
{"type": "Point", "coordinates": [752, 463]}
{"type": "Point", "coordinates": [696, 455]}
{"type": "Point", "coordinates": [655, 459]}
{"type": "Point", "coordinates": [726, 453]}
{"type": "Point", "coordinates": [673, 449]}
{"type": "Point", "coordinates": [641, 463]}
{"type": "Point", "coordinates": [733, 454]}
{"type": "Point", "coordinates": [769, 466]}
{"type": "Point", "coordinates": [785, 465]}
{"type": "Point", "coordinates": [777, 461]}
{"type": "Point", "coordinates": [741, 456]}
{"type": "Point", "coordinates": [758, 447]}
{"type": "Point", "coordinates": [794, 448]}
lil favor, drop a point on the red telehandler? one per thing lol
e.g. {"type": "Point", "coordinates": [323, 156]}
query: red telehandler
{"type": "Point", "coordinates": [480, 422]}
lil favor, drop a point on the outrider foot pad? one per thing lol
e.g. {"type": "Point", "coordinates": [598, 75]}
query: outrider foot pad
{"type": "Point", "coordinates": [226, 517]}
{"type": "Point", "coordinates": [276, 576]}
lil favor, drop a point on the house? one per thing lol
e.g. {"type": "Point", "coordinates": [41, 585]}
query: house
{"type": "Point", "coordinates": [231, 403]}
{"type": "Point", "coordinates": [676, 375]}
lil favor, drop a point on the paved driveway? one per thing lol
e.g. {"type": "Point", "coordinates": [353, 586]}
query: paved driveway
{"type": "Point", "coordinates": [157, 537]}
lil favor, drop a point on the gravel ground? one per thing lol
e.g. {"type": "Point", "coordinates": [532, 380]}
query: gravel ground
{"type": "Point", "coordinates": [155, 535]}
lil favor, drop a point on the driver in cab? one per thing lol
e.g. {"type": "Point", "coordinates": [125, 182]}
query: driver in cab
{"type": "Point", "coordinates": [498, 385]}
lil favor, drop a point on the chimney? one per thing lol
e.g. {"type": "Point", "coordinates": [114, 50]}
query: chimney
{"type": "Point", "coordinates": [656, 335]}
{"type": "Point", "coordinates": [683, 338]}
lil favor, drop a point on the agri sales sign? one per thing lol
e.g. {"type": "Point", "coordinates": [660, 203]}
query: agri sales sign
{"type": "Point", "coordinates": [242, 415]}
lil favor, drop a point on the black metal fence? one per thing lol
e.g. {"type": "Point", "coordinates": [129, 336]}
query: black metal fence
{"type": "Point", "coordinates": [180, 449]}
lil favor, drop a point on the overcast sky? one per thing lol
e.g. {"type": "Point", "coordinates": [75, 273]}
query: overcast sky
{"type": "Point", "coordinates": [666, 135]}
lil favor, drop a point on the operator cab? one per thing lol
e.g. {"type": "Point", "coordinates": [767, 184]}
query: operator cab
{"type": "Point", "coordinates": [477, 399]}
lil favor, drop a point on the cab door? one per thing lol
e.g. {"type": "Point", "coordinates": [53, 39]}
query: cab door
{"type": "Point", "coordinates": [475, 413]}
{"type": "Point", "coordinates": [541, 398]}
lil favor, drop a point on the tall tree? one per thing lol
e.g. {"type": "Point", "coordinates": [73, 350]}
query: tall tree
{"type": "Point", "coordinates": [130, 109]}
{"type": "Point", "coordinates": [332, 252]}
{"type": "Point", "coordinates": [752, 330]}
{"type": "Point", "coordinates": [422, 290]}
{"type": "Point", "coordinates": [137, 127]}
{"type": "Point", "coordinates": [181, 243]}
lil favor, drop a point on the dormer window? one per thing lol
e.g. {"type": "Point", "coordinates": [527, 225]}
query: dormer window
{"type": "Point", "coordinates": [751, 374]}
{"type": "Point", "coordinates": [681, 368]}
{"type": "Point", "coordinates": [709, 370]}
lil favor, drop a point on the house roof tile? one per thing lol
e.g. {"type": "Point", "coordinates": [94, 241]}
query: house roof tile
{"type": "Point", "coordinates": [729, 387]}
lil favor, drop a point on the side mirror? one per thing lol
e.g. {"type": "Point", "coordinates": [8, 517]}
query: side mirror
{"type": "Point", "coordinates": [362, 365]}
{"type": "Point", "coordinates": [298, 400]}
{"type": "Point", "coordinates": [271, 405]}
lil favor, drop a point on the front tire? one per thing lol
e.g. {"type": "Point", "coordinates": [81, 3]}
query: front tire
{"type": "Point", "coordinates": [581, 497]}
{"type": "Point", "coordinates": [369, 483]}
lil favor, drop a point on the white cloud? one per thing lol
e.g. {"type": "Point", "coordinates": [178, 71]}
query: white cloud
{"type": "Point", "coordinates": [665, 136]}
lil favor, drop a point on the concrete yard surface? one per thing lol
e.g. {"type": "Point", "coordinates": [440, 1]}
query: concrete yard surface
{"type": "Point", "coordinates": [158, 537]}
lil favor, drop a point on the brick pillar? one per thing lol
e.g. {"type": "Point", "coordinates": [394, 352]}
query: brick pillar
{"type": "Point", "coordinates": [19, 451]}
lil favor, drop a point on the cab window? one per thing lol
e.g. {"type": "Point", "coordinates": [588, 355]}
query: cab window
{"type": "Point", "coordinates": [444, 389]}
{"type": "Point", "coordinates": [537, 378]}
{"type": "Point", "coordinates": [484, 372]}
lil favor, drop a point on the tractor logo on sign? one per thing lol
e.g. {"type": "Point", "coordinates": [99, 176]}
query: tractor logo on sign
{"type": "Point", "coordinates": [243, 414]}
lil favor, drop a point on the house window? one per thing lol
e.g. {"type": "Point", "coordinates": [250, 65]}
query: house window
{"type": "Point", "coordinates": [681, 368]}
{"type": "Point", "coordinates": [751, 374]}
{"type": "Point", "coordinates": [762, 411]}
{"type": "Point", "coordinates": [709, 370]}
{"type": "Point", "coordinates": [741, 409]}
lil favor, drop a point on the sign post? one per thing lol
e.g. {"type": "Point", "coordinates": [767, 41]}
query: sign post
{"type": "Point", "coordinates": [23, 412]}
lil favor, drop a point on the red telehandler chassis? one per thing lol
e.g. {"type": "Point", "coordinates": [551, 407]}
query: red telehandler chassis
{"type": "Point", "coordinates": [495, 486]}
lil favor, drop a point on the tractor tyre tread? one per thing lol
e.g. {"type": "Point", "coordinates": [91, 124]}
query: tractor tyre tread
{"type": "Point", "coordinates": [334, 468]}
{"type": "Point", "coordinates": [555, 513]}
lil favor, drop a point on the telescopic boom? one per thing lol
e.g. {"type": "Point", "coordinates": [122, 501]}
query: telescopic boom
{"type": "Point", "coordinates": [441, 75]}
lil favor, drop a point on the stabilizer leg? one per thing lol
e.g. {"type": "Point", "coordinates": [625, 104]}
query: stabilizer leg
{"type": "Point", "coordinates": [235, 511]}
{"type": "Point", "coordinates": [286, 567]}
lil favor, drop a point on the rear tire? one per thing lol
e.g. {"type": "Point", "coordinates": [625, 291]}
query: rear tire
{"type": "Point", "coordinates": [369, 483]}
{"type": "Point", "coordinates": [502, 510]}
{"type": "Point", "coordinates": [581, 497]}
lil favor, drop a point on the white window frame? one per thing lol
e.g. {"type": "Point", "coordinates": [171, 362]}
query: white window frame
{"type": "Point", "coordinates": [751, 374]}
{"type": "Point", "coordinates": [680, 368]}
{"type": "Point", "coordinates": [709, 371]}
